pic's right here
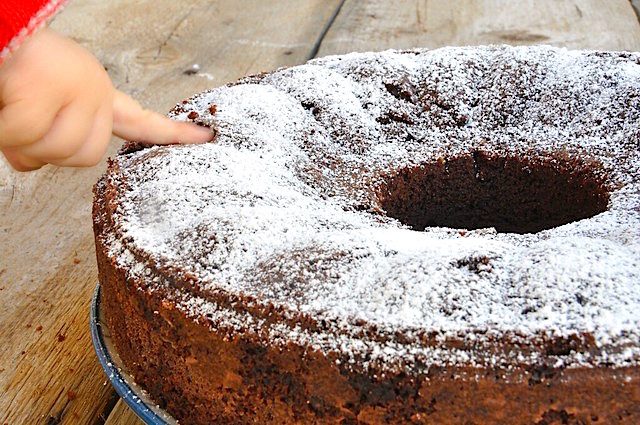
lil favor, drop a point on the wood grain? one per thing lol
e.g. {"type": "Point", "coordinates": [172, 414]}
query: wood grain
{"type": "Point", "coordinates": [377, 25]}
{"type": "Point", "coordinates": [150, 48]}
{"type": "Point", "coordinates": [48, 370]}
{"type": "Point", "coordinates": [122, 415]}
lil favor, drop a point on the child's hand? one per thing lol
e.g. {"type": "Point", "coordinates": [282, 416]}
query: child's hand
{"type": "Point", "coordinates": [58, 106]}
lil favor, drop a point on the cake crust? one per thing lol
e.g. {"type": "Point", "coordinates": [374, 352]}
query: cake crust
{"type": "Point", "coordinates": [446, 236]}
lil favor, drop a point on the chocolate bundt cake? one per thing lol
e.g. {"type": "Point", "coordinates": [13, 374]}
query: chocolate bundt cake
{"type": "Point", "coordinates": [443, 237]}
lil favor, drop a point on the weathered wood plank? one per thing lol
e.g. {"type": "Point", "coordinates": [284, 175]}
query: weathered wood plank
{"type": "Point", "coordinates": [122, 415]}
{"type": "Point", "coordinates": [149, 46]}
{"type": "Point", "coordinates": [48, 371]}
{"type": "Point", "coordinates": [377, 25]}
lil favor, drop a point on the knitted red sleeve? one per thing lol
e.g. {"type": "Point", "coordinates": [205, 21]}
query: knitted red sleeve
{"type": "Point", "coordinates": [19, 18]}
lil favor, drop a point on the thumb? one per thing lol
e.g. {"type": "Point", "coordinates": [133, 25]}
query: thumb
{"type": "Point", "coordinates": [132, 122]}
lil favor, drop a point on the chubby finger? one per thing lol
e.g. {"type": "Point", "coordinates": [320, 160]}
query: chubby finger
{"type": "Point", "coordinates": [95, 144]}
{"type": "Point", "coordinates": [132, 122]}
{"type": "Point", "coordinates": [21, 162]}
{"type": "Point", "coordinates": [23, 123]}
{"type": "Point", "coordinates": [67, 134]}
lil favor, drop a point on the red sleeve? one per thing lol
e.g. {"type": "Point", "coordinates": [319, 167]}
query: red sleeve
{"type": "Point", "coordinates": [19, 18]}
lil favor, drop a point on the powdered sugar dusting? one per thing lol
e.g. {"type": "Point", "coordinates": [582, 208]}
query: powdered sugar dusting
{"type": "Point", "coordinates": [271, 211]}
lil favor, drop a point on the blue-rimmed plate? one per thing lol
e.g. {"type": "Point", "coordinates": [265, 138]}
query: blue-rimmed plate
{"type": "Point", "coordinates": [137, 399]}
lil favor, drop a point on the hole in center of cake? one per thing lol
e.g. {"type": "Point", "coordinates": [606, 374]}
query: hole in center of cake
{"type": "Point", "coordinates": [511, 194]}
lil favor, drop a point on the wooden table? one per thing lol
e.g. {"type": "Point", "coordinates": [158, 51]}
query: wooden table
{"type": "Point", "coordinates": [162, 51]}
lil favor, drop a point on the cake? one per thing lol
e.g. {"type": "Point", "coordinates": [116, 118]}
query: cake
{"type": "Point", "coordinates": [445, 236]}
